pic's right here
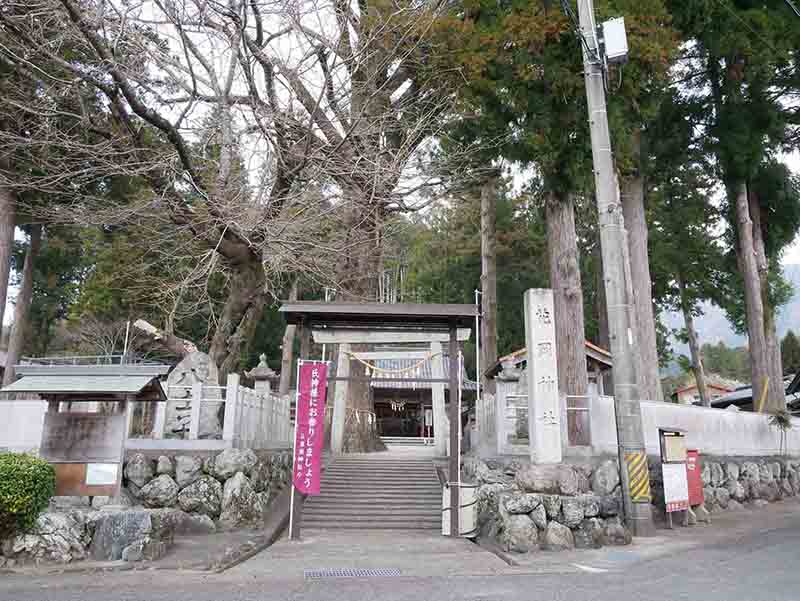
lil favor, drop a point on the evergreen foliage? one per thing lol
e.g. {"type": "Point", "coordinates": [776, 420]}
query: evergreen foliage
{"type": "Point", "coordinates": [26, 485]}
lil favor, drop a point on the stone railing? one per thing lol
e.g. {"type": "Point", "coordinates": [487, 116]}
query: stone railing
{"type": "Point", "coordinates": [202, 417]}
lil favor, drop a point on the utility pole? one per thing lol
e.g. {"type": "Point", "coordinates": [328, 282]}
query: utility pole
{"type": "Point", "coordinates": [630, 436]}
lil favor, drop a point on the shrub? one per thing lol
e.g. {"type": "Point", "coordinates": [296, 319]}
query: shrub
{"type": "Point", "coordinates": [26, 485]}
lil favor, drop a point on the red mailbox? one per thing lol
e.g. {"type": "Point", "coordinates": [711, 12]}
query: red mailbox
{"type": "Point", "coordinates": [693, 470]}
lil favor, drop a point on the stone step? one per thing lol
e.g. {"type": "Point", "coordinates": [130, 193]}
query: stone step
{"type": "Point", "coordinates": [383, 458]}
{"type": "Point", "coordinates": [374, 525]}
{"type": "Point", "coordinates": [363, 480]}
{"type": "Point", "coordinates": [379, 487]}
{"type": "Point", "coordinates": [366, 503]}
{"type": "Point", "coordinates": [387, 491]}
{"type": "Point", "coordinates": [337, 517]}
{"type": "Point", "coordinates": [375, 511]}
{"type": "Point", "coordinates": [350, 499]}
{"type": "Point", "coordinates": [378, 469]}
{"type": "Point", "coordinates": [426, 479]}
{"type": "Point", "coordinates": [381, 465]}
{"type": "Point", "coordinates": [372, 468]}
{"type": "Point", "coordinates": [360, 470]}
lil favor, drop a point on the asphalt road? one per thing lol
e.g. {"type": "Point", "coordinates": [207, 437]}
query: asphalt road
{"type": "Point", "coordinates": [751, 556]}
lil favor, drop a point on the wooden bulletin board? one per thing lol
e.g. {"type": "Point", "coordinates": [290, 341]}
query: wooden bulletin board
{"type": "Point", "coordinates": [73, 479]}
{"type": "Point", "coordinates": [86, 450]}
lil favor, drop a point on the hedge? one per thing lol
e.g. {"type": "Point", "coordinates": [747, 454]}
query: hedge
{"type": "Point", "coordinates": [26, 485]}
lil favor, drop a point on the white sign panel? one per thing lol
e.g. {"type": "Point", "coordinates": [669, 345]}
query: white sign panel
{"type": "Point", "coordinates": [101, 474]}
{"type": "Point", "coordinates": [676, 486]}
{"type": "Point", "coordinates": [544, 410]}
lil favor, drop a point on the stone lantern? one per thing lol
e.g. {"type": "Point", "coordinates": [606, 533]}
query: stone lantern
{"type": "Point", "coordinates": [263, 376]}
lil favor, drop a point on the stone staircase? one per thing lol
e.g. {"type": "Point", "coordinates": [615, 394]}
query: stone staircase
{"type": "Point", "coordinates": [376, 491]}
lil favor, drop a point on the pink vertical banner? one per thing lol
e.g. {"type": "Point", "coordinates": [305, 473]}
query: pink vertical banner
{"type": "Point", "coordinates": [310, 415]}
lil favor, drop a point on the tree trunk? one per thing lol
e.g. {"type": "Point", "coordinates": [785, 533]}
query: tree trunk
{"type": "Point", "coordinates": [8, 211]}
{"type": "Point", "coordinates": [358, 274]}
{"type": "Point", "coordinates": [488, 280]}
{"type": "Point", "coordinates": [565, 280]}
{"type": "Point", "coordinates": [694, 345]}
{"type": "Point", "coordinates": [287, 348]}
{"type": "Point", "coordinates": [777, 392]}
{"type": "Point", "coordinates": [22, 306]}
{"type": "Point", "coordinates": [759, 370]}
{"type": "Point", "coordinates": [240, 315]}
{"type": "Point", "coordinates": [632, 193]}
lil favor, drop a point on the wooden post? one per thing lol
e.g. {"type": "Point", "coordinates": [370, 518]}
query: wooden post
{"type": "Point", "coordinates": [126, 408]}
{"type": "Point", "coordinates": [455, 425]}
{"type": "Point", "coordinates": [297, 497]}
{"type": "Point", "coordinates": [231, 392]}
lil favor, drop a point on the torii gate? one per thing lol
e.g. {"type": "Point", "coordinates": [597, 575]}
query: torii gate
{"type": "Point", "coordinates": [383, 323]}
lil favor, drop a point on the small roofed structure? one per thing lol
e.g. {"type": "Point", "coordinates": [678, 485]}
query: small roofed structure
{"type": "Point", "coordinates": [88, 383]}
{"type": "Point", "coordinates": [598, 365]}
{"type": "Point", "coordinates": [89, 412]}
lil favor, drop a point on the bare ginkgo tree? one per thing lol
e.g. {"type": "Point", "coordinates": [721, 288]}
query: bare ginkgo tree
{"type": "Point", "coordinates": [276, 136]}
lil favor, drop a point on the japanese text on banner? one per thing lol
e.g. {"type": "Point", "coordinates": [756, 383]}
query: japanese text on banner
{"type": "Point", "coordinates": [310, 416]}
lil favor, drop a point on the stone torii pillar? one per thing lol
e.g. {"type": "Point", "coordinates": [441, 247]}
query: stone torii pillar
{"type": "Point", "coordinates": [441, 424]}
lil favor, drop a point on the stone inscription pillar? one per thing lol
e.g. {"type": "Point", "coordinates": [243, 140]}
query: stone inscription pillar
{"type": "Point", "coordinates": [544, 412]}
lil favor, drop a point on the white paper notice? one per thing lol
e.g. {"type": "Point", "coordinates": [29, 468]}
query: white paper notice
{"type": "Point", "coordinates": [676, 486]}
{"type": "Point", "coordinates": [101, 474]}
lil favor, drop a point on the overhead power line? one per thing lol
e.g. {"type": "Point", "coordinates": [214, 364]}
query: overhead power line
{"type": "Point", "coordinates": [793, 6]}
{"type": "Point", "coordinates": [727, 7]}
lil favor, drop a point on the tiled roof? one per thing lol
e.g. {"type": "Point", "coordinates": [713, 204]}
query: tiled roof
{"type": "Point", "coordinates": [79, 384]}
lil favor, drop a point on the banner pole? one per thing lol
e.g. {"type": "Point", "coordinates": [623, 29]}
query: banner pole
{"type": "Point", "coordinates": [294, 533]}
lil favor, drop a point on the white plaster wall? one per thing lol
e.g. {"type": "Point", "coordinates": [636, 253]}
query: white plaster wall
{"type": "Point", "coordinates": [21, 425]}
{"type": "Point", "coordinates": [711, 431]}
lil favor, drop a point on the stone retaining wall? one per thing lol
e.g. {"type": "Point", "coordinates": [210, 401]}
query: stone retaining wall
{"type": "Point", "coordinates": [161, 497]}
{"type": "Point", "coordinates": [526, 507]}
{"type": "Point", "coordinates": [730, 482]}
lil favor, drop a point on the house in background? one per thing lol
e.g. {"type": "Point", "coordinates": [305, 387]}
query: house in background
{"type": "Point", "coordinates": [689, 394]}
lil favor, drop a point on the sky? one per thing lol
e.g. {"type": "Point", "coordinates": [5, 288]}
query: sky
{"type": "Point", "coordinates": [792, 254]}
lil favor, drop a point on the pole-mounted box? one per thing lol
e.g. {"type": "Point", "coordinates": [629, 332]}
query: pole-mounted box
{"type": "Point", "coordinates": [615, 40]}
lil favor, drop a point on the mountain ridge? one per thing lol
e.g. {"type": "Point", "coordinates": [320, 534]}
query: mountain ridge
{"type": "Point", "coordinates": [713, 326]}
